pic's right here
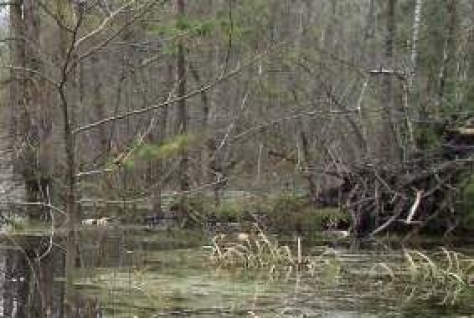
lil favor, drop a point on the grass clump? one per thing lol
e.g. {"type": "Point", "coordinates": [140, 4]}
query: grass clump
{"type": "Point", "coordinates": [442, 276]}
{"type": "Point", "coordinates": [258, 251]}
{"type": "Point", "coordinates": [250, 251]}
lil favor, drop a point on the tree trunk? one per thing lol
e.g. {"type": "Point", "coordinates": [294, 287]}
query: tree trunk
{"type": "Point", "coordinates": [182, 112]}
{"type": "Point", "coordinates": [388, 141]}
{"type": "Point", "coordinates": [309, 174]}
{"type": "Point", "coordinates": [204, 154]}
{"type": "Point", "coordinates": [414, 40]}
{"type": "Point", "coordinates": [449, 52]}
{"type": "Point", "coordinates": [65, 14]}
{"type": "Point", "coordinates": [156, 167]}
{"type": "Point", "coordinates": [16, 116]}
{"type": "Point", "coordinates": [39, 124]}
{"type": "Point", "coordinates": [99, 108]}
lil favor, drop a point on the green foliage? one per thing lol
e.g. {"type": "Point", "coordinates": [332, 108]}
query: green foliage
{"type": "Point", "coordinates": [193, 27]}
{"type": "Point", "coordinates": [199, 27]}
{"type": "Point", "coordinates": [428, 136]}
{"type": "Point", "coordinates": [230, 212]}
{"type": "Point", "coordinates": [466, 208]}
{"type": "Point", "coordinates": [168, 149]}
{"type": "Point", "coordinates": [283, 213]}
{"type": "Point", "coordinates": [153, 152]}
{"type": "Point", "coordinates": [289, 212]}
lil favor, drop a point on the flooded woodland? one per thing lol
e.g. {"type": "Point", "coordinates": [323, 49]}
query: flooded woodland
{"type": "Point", "coordinates": [224, 158]}
{"type": "Point", "coordinates": [130, 272]}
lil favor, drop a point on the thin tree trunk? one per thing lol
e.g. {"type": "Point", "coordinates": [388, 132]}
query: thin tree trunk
{"type": "Point", "coordinates": [182, 112]}
{"type": "Point", "coordinates": [17, 88]}
{"type": "Point", "coordinates": [64, 12]}
{"type": "Point", "coordinates": [313, 190]}
{"type": "Point", "coordinates": [204, 129]}
{"type": "Point", "coordinates": [389, 141]}
{"type": "Point", "coordinates": [448, 52]}
{"type": "Point", "coordinates": [370, 25]}
{"type": "Point", "coordinates": [414, 41]}
{"type": "Point", "coordinates": [39, 114]}
{"type": "Point", "coordinates": [389, 47]}
{"type": "Point", "coordinates": [99, 107]}
{"type": "Point", "coordinates": [157, 167]}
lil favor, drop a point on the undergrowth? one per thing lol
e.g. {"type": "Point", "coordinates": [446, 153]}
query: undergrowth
{"type": "Point", "coordinates": [441, 277]}
{"type": "Point", "coordinates": [258, 251]}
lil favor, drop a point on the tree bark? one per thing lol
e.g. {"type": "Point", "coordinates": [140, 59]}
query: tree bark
{"type": "Point", "coordinates": [182, 112]}
{"type": "Point", "coordinates": [17, 88]}
{"type": "Point", "coordinates": [313, 190]}
{"type": "Point", "coordinates": [156, 167]}
{"type": "Point", "coordinates": [388, 141]}
{"type": "Point", "coordinates": [39, 130]}
{"type": "Point", "coordinates": [414, 40]}
{"type": "Point", "coordinates": [99, 107]}
{"type": "Point", "coordinates": [449, 51]}
{"type": "Point", "coordinates": [65, 13]}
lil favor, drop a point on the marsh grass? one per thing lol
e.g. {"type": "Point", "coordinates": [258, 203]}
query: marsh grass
{"type": "Point", "coordinates": [260, 251]}
{"type": "Point", "coordinates": [256, 250]}
{"type": "Point", "coordinates": [441, 276]}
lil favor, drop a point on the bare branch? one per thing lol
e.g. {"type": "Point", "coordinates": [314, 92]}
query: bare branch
{"type": "Point", "coordinates": [202, 89]}
{"type": "Point", "coordinates": [104, 24]}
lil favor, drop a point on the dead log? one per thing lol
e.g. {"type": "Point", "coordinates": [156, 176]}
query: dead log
{"type": "Point", "coordinates": [411, 195]}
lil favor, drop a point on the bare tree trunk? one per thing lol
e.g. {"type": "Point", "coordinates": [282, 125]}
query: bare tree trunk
{"type": "Point", "coordinates": [204, 154]}
{"type": "Point", "coordinates": [17, 115]}
{"type": "Point", "coordinates": [309, 174]}
{"type": "Point", "coordinates": [65, 13]}
{"type": "Point", "coordinates": [157, 167]}
{"type": "Point", "coordinates": [99, 107]}
{"type": "Point", "coordinates": [414, 41]}
{"type": "Point", "coordinates": [370, 23]}
{"type": "Point", "coordinates": [389, 49]}
{"type": "Point", "coordinates": [28, 128]}
{"type": "Point", "coordinates": [182, 112]}
{"type": "Point", "coordinates": [39, 115]}
{"type": "Point", "coordinates": [25, 140]}
{"type": "Point", "coordinates": [388, 148]}
{"type": "Point", "coordinates": [449, 52]}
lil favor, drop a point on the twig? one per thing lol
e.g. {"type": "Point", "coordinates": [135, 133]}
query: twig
{"type": "Point", "coordinates": [414, 207]}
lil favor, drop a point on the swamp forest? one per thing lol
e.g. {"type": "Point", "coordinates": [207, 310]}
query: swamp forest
{"type": "Point", "coordinates": [236, 158]}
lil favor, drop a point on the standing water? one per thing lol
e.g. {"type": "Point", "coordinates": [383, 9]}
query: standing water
{"type": "Point", "coordinates": [129, 273]}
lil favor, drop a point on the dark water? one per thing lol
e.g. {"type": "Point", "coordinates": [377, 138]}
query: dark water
{"type": "Point", "coordinates": [127, 273]}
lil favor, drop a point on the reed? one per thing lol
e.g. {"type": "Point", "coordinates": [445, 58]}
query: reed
{"type": "Point", "coordinates": [258, 251]}
{"type": "Point", "coordinates": [442, 276]}
{"type": "Point", "coordinates": [255, 250]}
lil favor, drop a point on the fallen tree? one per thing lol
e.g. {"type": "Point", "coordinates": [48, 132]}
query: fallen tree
{"type": "Point", "coordinates": [411, 194]}
{"type": "Point", "coordinates": [420, 193]}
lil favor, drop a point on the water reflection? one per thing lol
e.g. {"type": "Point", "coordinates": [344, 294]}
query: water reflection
{"type": "Point", "coordinates": [29, 284]}
{"type": "Point", "coordinates": [32, 280]}
{"type": "Point", "coordinates": [126, 273]}
{"type": "Point", "coordinates": [182, 283]}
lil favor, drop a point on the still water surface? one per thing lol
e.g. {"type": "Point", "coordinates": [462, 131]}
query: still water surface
{"type": "Point", "coordinates": [130, 273]}
{"type": "Point", "coordinates": [174, 281]}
